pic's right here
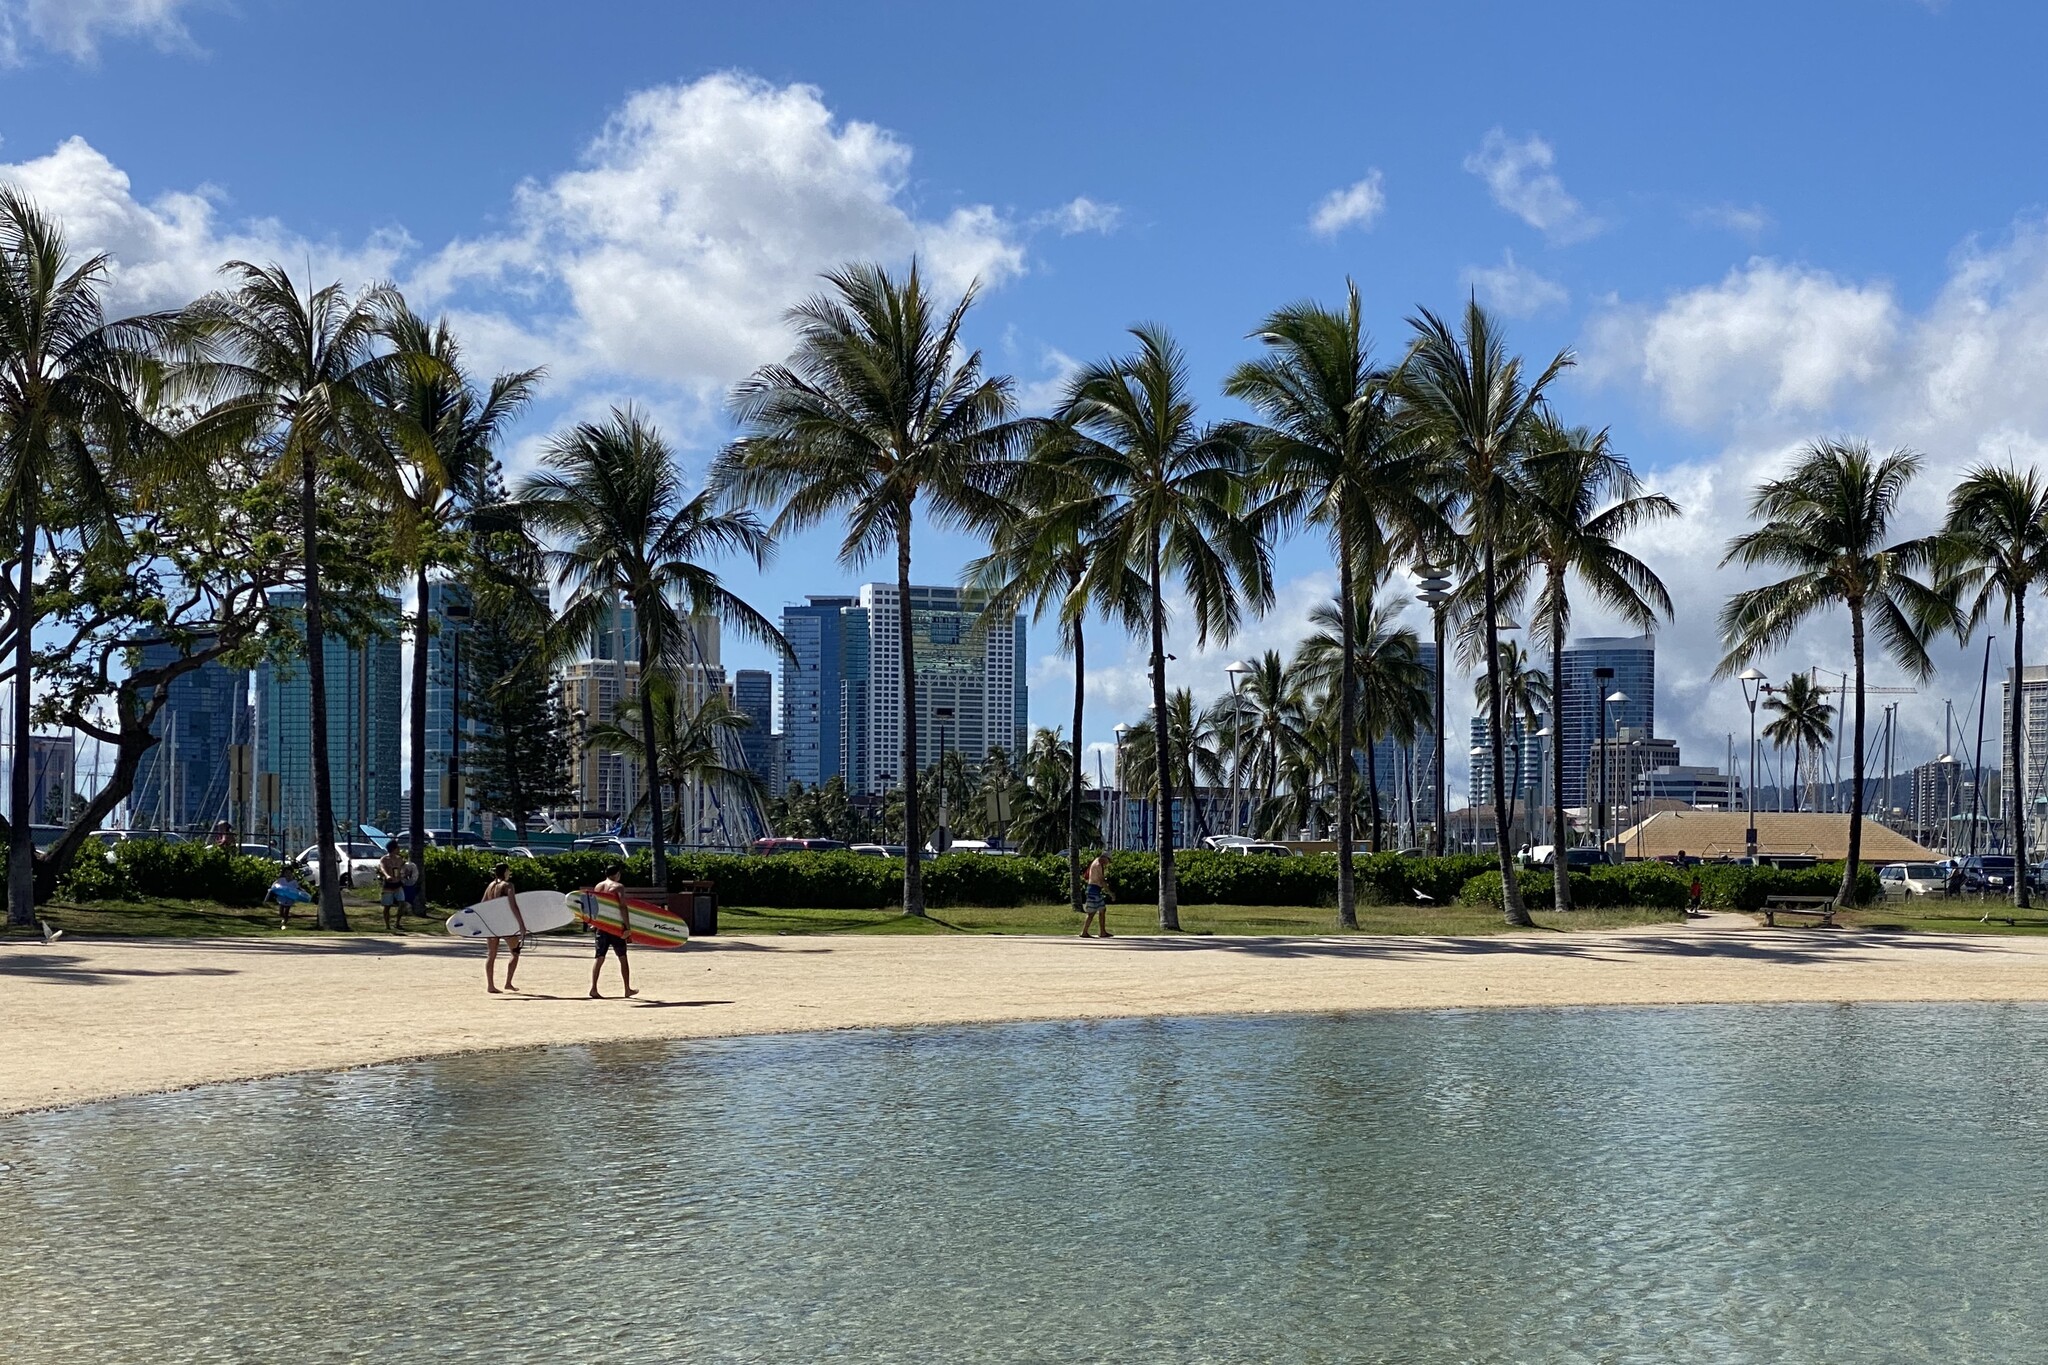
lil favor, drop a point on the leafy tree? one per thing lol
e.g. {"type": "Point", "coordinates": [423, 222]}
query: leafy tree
{"type": "Point", "coordinates": [687, 741]}
{"type": "Point", "coordinates": [72, 388]}
{"type": "Point", "coordinates": [521, 757]}
{"type": "Point", "coordinates": [1178, 506]}
{"type": "Point", "coordinates": [1330, 458]}
{"type": "Point", "coordinates": [882, 409]}
{"type": "Point", "coordinates": [1804, 724]}
{"type": "Point", "coordinates": [1526, 697]}
{"type": "Point", "coordinates": [298, 373]}
{"type": "Point", "coordinates": [1581, 500]}
{"type": "Point", "coordinates": [1468, 403]}
{"type": "Point", "coordinates": [1042, 805]}
{"type": "Point", "coordinates": [1995, 549]}
{"type": "Point", "coordinates": [1267, 718]}
{"type": "Point", "coordinates": [610, 496]}
{"type": "Point", "coordinates": [1387, 677]}
{"type": "Point", "coordinates": [1827, 520]}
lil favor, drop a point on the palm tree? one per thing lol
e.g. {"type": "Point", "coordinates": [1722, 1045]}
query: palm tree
{"type": "Point", "coordinates": [1826, 520]}
{"type": "Point", "coordinates": [71, 388]}
{"type": "Point", "coordinates": [1044, 804]}
{"type": "Point", "coordinates": [1329, 458]}
{"type": "Point", "coordinates": [610, 494]}
{"type": "Point", "coordinates": [1266, 717]}
{"type": "Point", "coordinates": [301, 371]}
{"type": "Point", "coordinates": [1177, 493]}
{"type": "Point", "coordinates": [1467, 401]}
{"type": "Point", "coordinates": [692, 742]}
{"type": "Point", "coordinates": [1995, 545]}
{"type": "Point", "coordinates": [1804, 724]}
{"type": "Point", "coordinates": [434, 462]}
{"type": "Point", "coordinates": [1191, 758]}
{"type": "Point", "coordinates": [1040, 556]}
{"type": "Point", "coordinates": [1582, 499]}
{"type": "Point", "coordinates": [1526, 698]}
{"type": "Point", "coordinates": [880, 408]}
{"type": "Point", "coordinates": [1387, 677]}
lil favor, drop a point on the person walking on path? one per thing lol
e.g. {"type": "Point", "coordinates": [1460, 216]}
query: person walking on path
{"type": "Point", "coordinates": [607, 941]}
{"type": "Point", "coordinates": [1095, 893]}
{"type": "Point", "coordinates": [391, 882]}
{"type": "Point", "coordinates": [501, 885]}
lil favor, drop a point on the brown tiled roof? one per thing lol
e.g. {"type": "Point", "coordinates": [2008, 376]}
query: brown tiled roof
{"type": "Point", "coordinates": [1717, 833]}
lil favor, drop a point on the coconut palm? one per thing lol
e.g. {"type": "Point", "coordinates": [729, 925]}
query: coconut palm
{"type": "Point", "coordinates": [300, 371]}
{"type": "Point", "coordinates": [1329, 458]}
{"type": "Point", "coordinates": [430, 465]}
{"type": "Point", "coordinates": [690, 739]}
{"type": "Point", "coordinates": [72, 386]}
{"type": "Point", "coordinates": [1804, 724]}
{"type": "Point", "coordinates": [1526, 697]}
{"type": "Point", "coordinates": [1387, 676]}
{"type": "Point", "coordinates": [1468, 402]}
{"type": "Point", "coordinates": [1995, 551]}
{"type": "Point", "coordinates": [1042, 818]}
{"type": "Point", "coordinates": [1581, 499]}
{"type": "Point", "coordinates": [1191, 756]}
{"type": "Point", "coordinates": [880, 410]}
{"type": "Point", "coordinates": [1827, 520]}
{"type": "Point", "coordinates": [622, 529]}
{"type": "Point", "coordinates": [1178, 497]}
{"type": "Point", "coordinates": [1039, 556]}
{"type": "Point", "coordinates": [1263, 718]}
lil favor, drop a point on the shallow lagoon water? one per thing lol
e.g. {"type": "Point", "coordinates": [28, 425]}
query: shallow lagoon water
{"type": "Point", "coordinates": [1772, 1184]}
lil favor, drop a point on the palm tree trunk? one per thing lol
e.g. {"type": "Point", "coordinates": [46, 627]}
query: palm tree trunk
{"type": "Point", "coordinates": [332, 915]}
{"type": "Point", "coordinates": [1561, 830]}
{"type": "Point", "coordinates": [1162, 756]}
{"type": "Point", "coordinates": [1347, 731]}
{"type": "Point", "coordinates": [913, 829]}
{"type": "Point", "coordinates": [1510, 889]}
{"type": "Point", "coordinates": [650, 743]}
{"type": "Point", "coordinates": [1847, 897]}
{"type": "Point", "coordinates": [417, 807]}
{"type": "Point", "coordinates": [1074, 784]}
{"type": "Point", "coordinates": [1369, 752]}
{"type": "Point", "coordinates": [21, 840]}
{"type": "Point", "coordinates": [2017, 797]}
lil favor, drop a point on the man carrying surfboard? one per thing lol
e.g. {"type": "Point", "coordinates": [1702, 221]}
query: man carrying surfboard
{"type": "Point", "coordinates": [607, 941]}
{"type": "Point", "coordinates": [501, 886]}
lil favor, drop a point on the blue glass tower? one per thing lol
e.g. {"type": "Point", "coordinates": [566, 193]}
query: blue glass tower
{"type": "Point", "coordinates": [811, 700]}
{"type": "Point", "coordinates": [1634, 661]}
{"type": "Point", "coordinates": [182, 782]}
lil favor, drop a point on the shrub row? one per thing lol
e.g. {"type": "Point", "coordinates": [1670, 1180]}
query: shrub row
{"type": "Point", "coordinates": [1722, 886]}
{"type": "Point", "coordinates": [156, 869]}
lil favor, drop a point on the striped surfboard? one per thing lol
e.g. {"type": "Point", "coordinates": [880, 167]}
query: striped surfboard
{"type": "Point", "coordinates": [640, 922]}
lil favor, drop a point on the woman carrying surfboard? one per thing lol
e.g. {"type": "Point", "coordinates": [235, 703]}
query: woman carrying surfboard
{"type": "Point", "coordinates": [607, 941]}
{"type": "Point", "coordinates": [501, 885]}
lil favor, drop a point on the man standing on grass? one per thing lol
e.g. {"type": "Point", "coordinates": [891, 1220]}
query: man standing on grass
{"type": "Point", "coordinates": [607, 941]}
{"type": "Point", "coordinates": [1095, 893]}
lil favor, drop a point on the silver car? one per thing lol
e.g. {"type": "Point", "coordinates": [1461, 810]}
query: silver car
{"type": "Point", "coordinates": [358, 863]}
{"type": "Point", "coordinates": [1911, 879]}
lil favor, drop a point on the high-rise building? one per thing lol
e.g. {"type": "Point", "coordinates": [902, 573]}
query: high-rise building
{"type": "Point", "coordinates": [607, 781]}
{"type": "Point", "coordinates": [1696, 786]}
{"type": "Point", "coordinates": [450, 681]}
{"type": "Point", "coordinates": [753, 695]}
{"type": "Point", "coordinates": [182, 780]}
{"type": "Point", "coordinates": [813, 703]}
{"type": "Point", "coordinates": [1626, 754]}
{"type": "Point", "coordinates": [1581, 701]}
{"type": "Point", "coordinates": [53, 777]}
{"type": "Point", "coordinates": [1522, 765]}
{"type": "Point", "coordinates": [2033, 736]}
{"type": "Point", "coordinates": [365, 685]}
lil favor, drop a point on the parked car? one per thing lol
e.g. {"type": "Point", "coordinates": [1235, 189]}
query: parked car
{"type": "Point", "coordinates": [445, 838]}
{"type": "Point", "coordinates": [1911, 879]}
{"type": "Point", "coordinates": [258, 851]}
{"type": "Point", "coordinates": [775, 844]}
{"type": "Point", "coordinates": [1988, 872]}
{"type": "Point", "coordinates": [1256, 848]}
{"type": "Point", "coordinates": [624, 845]}
{"type": "Point", "coordinates": [879, 850]}
{"type": "Point", "coordinates": [358, 862]}
{"type": "Point", "coordinates": [1581, 859]}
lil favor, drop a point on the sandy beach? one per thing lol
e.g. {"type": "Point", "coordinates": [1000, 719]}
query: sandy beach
{"type": "Point", "coordinates": [92, 1020]}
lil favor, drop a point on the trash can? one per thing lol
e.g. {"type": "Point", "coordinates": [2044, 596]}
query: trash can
{"type": "Point", "coordinates": [698, 901]}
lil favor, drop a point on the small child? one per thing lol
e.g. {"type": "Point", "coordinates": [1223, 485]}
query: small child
{"type": "Point", "coordinates": [1698, 892]}
{"type": "Point", "coordinates": [287, 892]}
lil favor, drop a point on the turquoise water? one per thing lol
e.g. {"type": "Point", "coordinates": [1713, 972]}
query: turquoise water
{"type": "Point", "coordinates": [1782, 1184]}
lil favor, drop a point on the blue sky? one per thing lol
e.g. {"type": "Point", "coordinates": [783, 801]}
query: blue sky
{"type": "Point", "coordinates": [1754, 223]}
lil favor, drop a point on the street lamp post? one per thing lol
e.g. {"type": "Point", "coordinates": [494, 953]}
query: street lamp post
{"type": "Point", "coordinates": [1609, 728]}
{"type": "Point", "coordinates": [1753, 686]}
{"type": "Point", "coordinates": [581, 719]}
{"type": "Point", "coordinates": [1236, 670]}
{"type": "Point", "coordinates": [942, 838]}
{"type": "Point", "coordinates": [456, 614]}
{"type": "Point", "coordinates": [1122, 800]}
{"type": "Point", "coordinates": [1549, 759]}
{"type": "Point", "coordinates": [1433, 587]}
{"type": "Point", "coordinates": [1472, 757]}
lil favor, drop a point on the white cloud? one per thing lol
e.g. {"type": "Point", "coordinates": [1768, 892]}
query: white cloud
{"type": "Point", "coordinates": [76, 27]}
{"type": "Point", "coordinates": [169, 250]}
{"type": "Point", "coordinates": [1519, 175]}
{"type": "Point", "coordinates": [1082, 214]}
{"type": "Point", "coordinates": [1355, 206]}
{"type": "Point", "coordinates": [1744, 220]}
{"type": "Point", "coordinates": [1044, 393]}
{"type": "Point", "coordinates": [702, 213]}
{"type": "Point", "coordinates": [1513, 288]}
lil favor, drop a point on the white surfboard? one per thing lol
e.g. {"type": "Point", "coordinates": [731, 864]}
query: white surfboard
{"type": "Point", "coordinates": [539, 911]}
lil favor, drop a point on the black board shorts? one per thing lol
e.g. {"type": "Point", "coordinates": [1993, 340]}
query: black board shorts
{"type": "Point", "coordinates": [608, 942]}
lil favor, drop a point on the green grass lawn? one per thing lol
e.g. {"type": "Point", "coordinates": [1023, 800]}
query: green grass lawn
{"type": "Point", "coordinates": [200, 919]}
{"type": "Point", "coordinates": [1941, 915]}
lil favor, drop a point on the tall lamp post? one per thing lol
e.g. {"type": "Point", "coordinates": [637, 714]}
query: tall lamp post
{"type": "Point", "coordinates": [1549, 762]}
{"type": "Point", "coordinates": [1433, 587]}
{"type": "Point", "coordinates": [1609, 729]}
{"type": "Point", "coordinates": [581, 720]}
{"type": "Point", "coordinates": [1753, 687]}
{"type": "Point", "coordinates": [1236, 670]}
{"type": "Point", "coordinates": [1122, 802]}
{"type": "Point", "coordinates": [1472, 757]}
{"type": "Point", "coordinates": [942, 838]}
{"type": "Point", "coordinates": [457, 615]}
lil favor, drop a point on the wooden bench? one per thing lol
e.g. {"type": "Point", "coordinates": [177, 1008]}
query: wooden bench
{"type": "Point", "coordinates": [1822, 908]}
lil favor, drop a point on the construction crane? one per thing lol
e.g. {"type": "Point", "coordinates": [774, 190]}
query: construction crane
{"type": "Point", "coordinates": [1835, 774]}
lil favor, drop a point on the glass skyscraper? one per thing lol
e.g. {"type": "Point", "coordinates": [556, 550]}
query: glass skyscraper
{"type": "Point", "coordinates": [1634, 661]}
{"type": "Point", "coordinates": [364, 689]}
{"type": "Point", "coordinates": [182, 781]}
{"type": "Point", "coordinates": [448, 691]}
{"type": "Point", "coordinates": [812, 702]}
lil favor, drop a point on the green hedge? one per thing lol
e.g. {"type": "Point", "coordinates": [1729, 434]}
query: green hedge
{"type": "Point", "coordinates": [156, 869]}
{"type": "Point", "coordinates": [1722, 886]}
